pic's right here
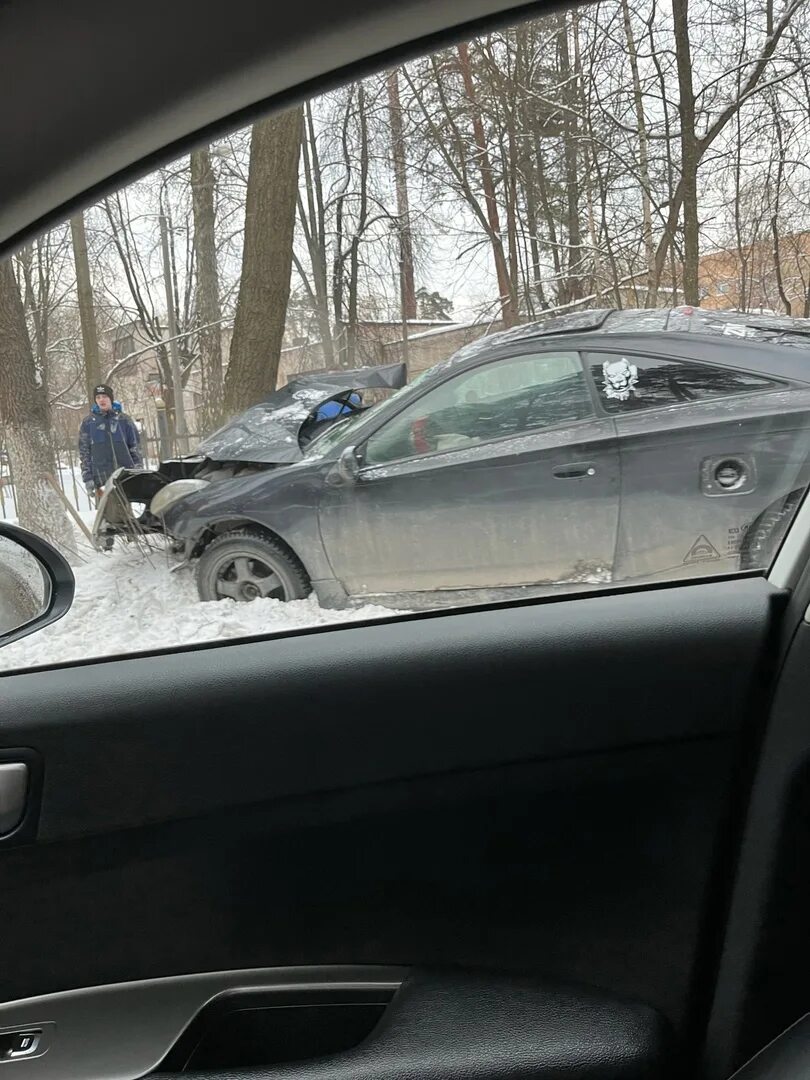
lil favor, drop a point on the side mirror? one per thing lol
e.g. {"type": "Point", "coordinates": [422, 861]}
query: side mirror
{"type": "Point", "coordinates": [346, 469]}
{"type": "Point", "coordinates": [36, 583]}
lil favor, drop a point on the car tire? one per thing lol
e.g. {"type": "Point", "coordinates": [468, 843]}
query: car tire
{"type": "Point", "coordinates": [767, 532]}
{"type": "Point", "coordinates": [247, 564]}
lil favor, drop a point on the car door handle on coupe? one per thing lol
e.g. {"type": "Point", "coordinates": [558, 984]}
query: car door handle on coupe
{"type": "Point", "coordinates": [574, 469]}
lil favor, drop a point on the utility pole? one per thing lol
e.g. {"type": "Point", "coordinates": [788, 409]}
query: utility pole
{"type": "Point", "coordinates": [181, 431]}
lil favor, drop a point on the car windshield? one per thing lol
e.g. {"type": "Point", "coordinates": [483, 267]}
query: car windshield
{"type": "Point", "coordinates": [329, 435]}
{"type": "Point", "coordinates": [359, 422]}
{"type": "Point", "coordinates": [580, 241]}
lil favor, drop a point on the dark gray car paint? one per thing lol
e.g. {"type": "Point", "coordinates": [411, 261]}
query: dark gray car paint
{"type": "Point", "coordinates": [490, 516]}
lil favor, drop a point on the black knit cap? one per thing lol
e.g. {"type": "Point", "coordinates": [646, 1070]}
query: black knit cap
{"type": "Point", "coordinates": [103, 389]}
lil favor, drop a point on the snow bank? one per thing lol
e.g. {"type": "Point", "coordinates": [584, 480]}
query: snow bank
{"type": "Point", "coordinates": [127, 602]}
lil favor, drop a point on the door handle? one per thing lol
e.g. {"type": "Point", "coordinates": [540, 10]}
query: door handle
{"type": "Point", "coordinates": [574, 469]}
{"type": "Point", "coordinates": [13, 792]}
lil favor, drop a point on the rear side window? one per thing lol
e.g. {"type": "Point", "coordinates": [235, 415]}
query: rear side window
{"type": "Point", "coordinates": [626, 382]}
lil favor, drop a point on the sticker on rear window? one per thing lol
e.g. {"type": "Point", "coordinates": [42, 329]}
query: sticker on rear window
{"type": "Point", "coordinates": [620, 379]}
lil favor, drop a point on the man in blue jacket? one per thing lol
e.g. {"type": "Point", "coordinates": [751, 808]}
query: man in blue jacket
{"type": "Point", "coordinates": [108, 439]}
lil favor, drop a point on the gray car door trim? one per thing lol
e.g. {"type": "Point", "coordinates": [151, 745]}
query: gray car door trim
{"type": "Point", "coordinates": [123, 1031]}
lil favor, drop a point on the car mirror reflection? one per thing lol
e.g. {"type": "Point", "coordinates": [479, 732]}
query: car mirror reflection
{"type": "Point", "coordinates": [36, 583]}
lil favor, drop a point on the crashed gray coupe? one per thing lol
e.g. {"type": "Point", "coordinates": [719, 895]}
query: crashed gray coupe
{"type": "Point", "coordinates": [602, 447]}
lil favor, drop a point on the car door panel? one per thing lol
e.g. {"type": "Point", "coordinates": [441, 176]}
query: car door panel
{"type": "Point", "coordinates": [555, 833]}
{"type": "Point", "coordinates": [676, 520]}
{"type": "Point", "coordinates": [269, 1022]}
{"type": "Point", "coordinates": [400, 793]}
{"type": "Point", "coordinates": [542, 507]}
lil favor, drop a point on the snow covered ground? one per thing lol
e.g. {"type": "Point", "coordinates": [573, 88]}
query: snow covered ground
{"type": "Point", "coordinates": [70, 479]}
{"type": "Point", "coordinates": [127, 602]}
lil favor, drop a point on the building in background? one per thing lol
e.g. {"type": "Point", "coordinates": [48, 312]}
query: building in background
{"type": "Point", "coordinates": [766, 276]}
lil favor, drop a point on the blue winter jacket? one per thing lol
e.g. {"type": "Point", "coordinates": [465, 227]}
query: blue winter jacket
{"type": "Point", "coordinates": [106, 442]}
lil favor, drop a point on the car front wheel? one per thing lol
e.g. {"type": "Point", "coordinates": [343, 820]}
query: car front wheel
{"type": "Point", "coordinates": [248, 565]}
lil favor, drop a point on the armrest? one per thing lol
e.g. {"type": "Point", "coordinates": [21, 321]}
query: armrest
{"type": "Point", "coordinates": [462, 1027]}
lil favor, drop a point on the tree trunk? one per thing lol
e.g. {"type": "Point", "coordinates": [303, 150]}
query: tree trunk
{"type": "Point", "coordinates": [510, 173]}
{"type": "Point", "coordinates": [534, 244]}
{"type": "Point", "coordinates": [689, 152]}
{"type": "Point", "coordinates": [777, 253]}
{"type": "Point", "coordinates": [25, 420]}
{"type": "Point", "coordinates": [693, 147]}
{"type": "Point", "coordinates": [407, 287]}
{"type": "Point", "coordinates": [341, 254]}
{"type": "Point", "coordinates": [505, 287]}
{"type": "Point", "coordinates": [313, 222]}
{"type": "Point", "coordinates": [209, 311]}
{"type": "Point", "coordinates": [643, 161]}
{"type": "Point", "coordinates": [87, 310]}
{"type": "Point", "coordinates": [264, 289]}
{"type": "Point", "coordinates": [570, 78]}
{"type": "Point", "coordinates": [357, 233]}
{"type": "Point", "coordinates": [548, 215]}
{"type": "Point", "coordinates": [35, 303]}
{"type": "Point", "coordinates": [338, 283]}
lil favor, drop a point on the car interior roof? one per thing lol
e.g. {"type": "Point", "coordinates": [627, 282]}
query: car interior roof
{"type": "Point", "coordinates": [106, 115]}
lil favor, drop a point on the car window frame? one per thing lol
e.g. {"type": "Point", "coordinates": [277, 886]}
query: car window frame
{"type": "Point", "coordinates": [528, 349]}
{"type": "Point", "coordinates": [779, 385]}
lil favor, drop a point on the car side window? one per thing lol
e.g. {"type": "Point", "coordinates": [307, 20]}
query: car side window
{"type": "Point", "coordinates": [628, 382]}
{"type": "Point", "coordinates": [504, 397]}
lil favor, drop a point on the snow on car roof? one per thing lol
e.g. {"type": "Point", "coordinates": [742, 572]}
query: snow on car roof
{"type": "Point", "coordinates": [728, 329]}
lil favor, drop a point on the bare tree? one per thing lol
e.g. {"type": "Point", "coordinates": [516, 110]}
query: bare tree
{"type": "Point", "coordinates": [651, 297]}
{"type": "Point", "coordinates": [694, 144]}
{"type": "Point", "coordinates": [312, 212]}
{"type": "Point", "coordinates": [209, 310]}
{"type": "Point", "coordinates": [349, 354]}
{"type": "Point", "coordinates": [398, 158]}
{"type": "Point", "coordinates": [267, 261]}
{"type": "Point", "coordinates": [87, 310]}
{"type": "Point", "coordinates": [505, 285]}
{"type": "Point", "coordinates": [26, 422]}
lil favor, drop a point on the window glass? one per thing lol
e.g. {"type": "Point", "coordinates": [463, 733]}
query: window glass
{"type": "Point", "coordinates": [505, 397]}
{"type": "Point", "coordinates": [627, 382]}
{"type": "Point", "coordinates": [450, 247]}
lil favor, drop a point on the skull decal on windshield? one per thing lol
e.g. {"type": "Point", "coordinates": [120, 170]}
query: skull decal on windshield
{"type": "Point", "coordinates": [620, 379]}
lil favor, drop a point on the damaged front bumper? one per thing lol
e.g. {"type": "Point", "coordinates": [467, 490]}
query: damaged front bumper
{"type": "Point", "coordinates": [123, 509]}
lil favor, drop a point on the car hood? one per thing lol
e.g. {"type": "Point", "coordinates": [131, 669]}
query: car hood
{"type": "Point", "coordinates": [267, 433]}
